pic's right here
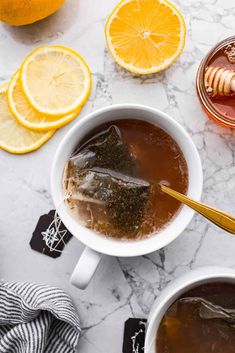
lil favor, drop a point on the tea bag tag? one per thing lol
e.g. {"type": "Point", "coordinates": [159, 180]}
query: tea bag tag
{"type": "Point", "coordinates": [134, 336]}
{"type": "Point", "coordinates": [50, 235]}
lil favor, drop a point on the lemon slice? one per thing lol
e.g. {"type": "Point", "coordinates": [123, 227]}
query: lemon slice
{"type": "Point", "coordinates": [56, 80]}
{"type": "Point", "coordinates": [145, 36]}
{"type": "Point", "coordinates": [14, 138]}
{"type": "Point", "coordinates": [26, 114]}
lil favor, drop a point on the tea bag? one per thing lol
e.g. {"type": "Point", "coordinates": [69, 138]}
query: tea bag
{"type": "Point", "coordinates": [105, 150]}
{"type": "Point", "coordinates": [105, 191]}
{"type": "Point", "coordinates": [205, 309]}
{"type": "Point", "coordinates": [208, 310]}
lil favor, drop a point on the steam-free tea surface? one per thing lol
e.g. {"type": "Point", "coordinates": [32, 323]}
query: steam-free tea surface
{"type": "Point", "coordinates": [113, 174]}
{"type": "Point", "coordinates": [201, 321]}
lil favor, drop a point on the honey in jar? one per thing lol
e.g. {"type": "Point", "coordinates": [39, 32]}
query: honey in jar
{"type": "Point", "coordinates": [216, 83]}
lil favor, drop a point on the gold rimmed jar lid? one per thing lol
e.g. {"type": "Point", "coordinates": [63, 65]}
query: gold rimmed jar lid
{"type": "Point", "coordinates": [212, 58]}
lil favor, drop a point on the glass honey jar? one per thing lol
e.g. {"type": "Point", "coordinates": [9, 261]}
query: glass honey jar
{"type": "Point", "coordinates": [215, 83]}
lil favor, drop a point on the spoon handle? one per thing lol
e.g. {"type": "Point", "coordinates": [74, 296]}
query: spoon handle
{"type": "Point", "coordinates": [220, 218]}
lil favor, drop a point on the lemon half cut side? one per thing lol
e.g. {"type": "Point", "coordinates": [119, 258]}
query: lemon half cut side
{"type": "Point", "coordinates": [145, 36]}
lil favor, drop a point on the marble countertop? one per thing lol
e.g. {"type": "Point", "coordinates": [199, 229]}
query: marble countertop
{"type": "Point", "coordinates": [123, 287]}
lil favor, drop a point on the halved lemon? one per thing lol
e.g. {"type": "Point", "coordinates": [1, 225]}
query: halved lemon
{"type": "Point", "coordinates": [145, 36]}
{"type": "Point", "coordinates": [14, 138]}
{"type": "Point", "coordinates": [24, 112]}
{"type": "Point", "coordinates": [56, 80]}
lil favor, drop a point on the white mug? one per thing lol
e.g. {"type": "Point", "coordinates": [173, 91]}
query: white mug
{"type": "Point", "coordinates": [96, 244]}
{"type": "Point", "coordinates": [174, 290]}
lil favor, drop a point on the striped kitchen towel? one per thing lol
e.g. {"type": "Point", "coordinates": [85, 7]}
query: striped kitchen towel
{"type": "Point", "coordinates": [37, 318]}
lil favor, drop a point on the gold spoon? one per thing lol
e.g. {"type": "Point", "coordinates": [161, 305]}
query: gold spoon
{"type": "Point", "coordinates": [220, 218]}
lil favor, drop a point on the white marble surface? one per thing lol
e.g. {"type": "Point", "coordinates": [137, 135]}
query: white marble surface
{"type": "Point", "coordinates": [121, 287]}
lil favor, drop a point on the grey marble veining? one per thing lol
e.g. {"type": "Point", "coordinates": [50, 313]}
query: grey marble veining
{"type": "Point", "coordinates": [121, 287]}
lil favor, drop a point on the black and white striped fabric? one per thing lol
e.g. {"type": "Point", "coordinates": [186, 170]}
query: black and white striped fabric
{"type": "Point", "coordinates": [37, 318]}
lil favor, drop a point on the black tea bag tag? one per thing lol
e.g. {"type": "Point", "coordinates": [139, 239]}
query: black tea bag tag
{"type": "Point", "coordinates": [50, 235]}
{"type": "Point", "coordinates": [134, 336]}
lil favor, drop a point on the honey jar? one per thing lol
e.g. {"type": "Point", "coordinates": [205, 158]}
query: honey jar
{"type": "Point", "coordinates": [215, 83]}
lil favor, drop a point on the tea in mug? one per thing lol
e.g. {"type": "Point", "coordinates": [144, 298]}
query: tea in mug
{"type": "Point", "coordinates": [112, 179]}
{"type": "Point", "coordinates": [202, 320]}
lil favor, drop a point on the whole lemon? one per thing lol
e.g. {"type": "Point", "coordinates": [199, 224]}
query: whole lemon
{"type": "Point", "coordinates": [23, 12]}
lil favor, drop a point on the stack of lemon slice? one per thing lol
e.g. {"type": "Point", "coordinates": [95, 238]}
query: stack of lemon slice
{"type": "Point", "coordinates": [47, 92]}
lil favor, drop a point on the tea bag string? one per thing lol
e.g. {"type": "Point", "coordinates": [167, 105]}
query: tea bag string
{"type": "Point", "coordinates": [53, 233]}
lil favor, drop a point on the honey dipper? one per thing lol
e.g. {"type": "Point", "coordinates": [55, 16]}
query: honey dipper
{"type": "Point", "coordinates": [219, 81]}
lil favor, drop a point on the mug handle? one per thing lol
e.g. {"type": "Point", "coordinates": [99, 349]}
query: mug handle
{"type": "Point", "coordinates": [85, 268]}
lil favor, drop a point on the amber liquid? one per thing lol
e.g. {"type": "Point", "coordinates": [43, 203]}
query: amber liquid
{"type": "Point", "coordinates": [182, 330]}
{"type": "Point", "coordinates": [226, 105]}
{"type": "Point", "coordinates": [159, 159]}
